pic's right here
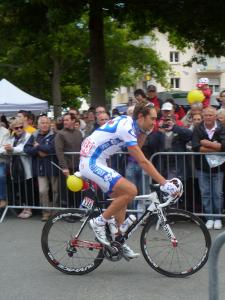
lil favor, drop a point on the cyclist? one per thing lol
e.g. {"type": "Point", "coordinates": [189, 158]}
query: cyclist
{"type": "Point", "coordinates": [107, 140]}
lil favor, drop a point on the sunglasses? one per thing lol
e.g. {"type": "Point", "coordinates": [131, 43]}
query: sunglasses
{"type": "Point", "coordinates": [18, 127]}
{"type": "Point", "coordinates": [104, 120]}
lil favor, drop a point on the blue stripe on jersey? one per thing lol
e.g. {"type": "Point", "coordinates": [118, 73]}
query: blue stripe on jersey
{"type": "Point", "coordinates": [98, 151]}
{"type": "Point", "coordinates": [106, 176]}
{"type": "Point", "coordinates": [132, 143]}
{"type": "Point", "coordinates": [111, 125]}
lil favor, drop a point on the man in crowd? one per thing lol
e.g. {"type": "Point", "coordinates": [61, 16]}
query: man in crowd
{"type": "Point", "coordinates": [153, 97]}
{"type": "Point", "coordinates": [102, 118]}
{"type": "Point", "coordinates": [25, 117]}
{"type": "Point", "coordinates": [41, 147]}
{"type": "Point", "coordinates": [140, 96]}
{"type": "Point", "coordinates": [68, 139]}
{"type": "Point", "coordinates": [209, 136]}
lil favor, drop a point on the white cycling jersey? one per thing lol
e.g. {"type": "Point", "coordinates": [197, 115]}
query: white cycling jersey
{"type": "Point", "coordinates": [103, 142]}
{"type": "Point", "coordinates": [110, 138]}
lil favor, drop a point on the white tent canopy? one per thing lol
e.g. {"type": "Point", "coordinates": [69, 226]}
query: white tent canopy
{"type": "Point", "coordinates": [13, 99]}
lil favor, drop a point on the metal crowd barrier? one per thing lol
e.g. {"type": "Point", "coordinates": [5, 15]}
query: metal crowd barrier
{"type": "Point", "coordinates": [183, 166]}
{"type": "Point", "coordinates": [170, 164]}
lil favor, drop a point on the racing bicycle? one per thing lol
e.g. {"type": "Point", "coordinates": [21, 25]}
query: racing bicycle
{"type": "Point", "coordinates": [174, 242]}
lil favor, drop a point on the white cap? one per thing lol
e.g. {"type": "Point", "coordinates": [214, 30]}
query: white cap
{"type": "Point", "coordinates": [203, 81]}
{"type": "Point", "coordinates": [167, 106]}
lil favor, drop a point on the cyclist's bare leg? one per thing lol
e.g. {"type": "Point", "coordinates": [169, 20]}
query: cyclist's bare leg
{"type": "Point", "coordinates": [124, 192]}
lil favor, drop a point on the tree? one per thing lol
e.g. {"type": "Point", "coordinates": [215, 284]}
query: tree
{"type": "Point", "coordinates": [62, 56]}
{"type": "Point", "coordinates": [34, 32]}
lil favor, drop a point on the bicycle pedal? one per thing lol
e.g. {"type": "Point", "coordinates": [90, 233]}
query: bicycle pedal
{"type": "Point", "coordinates": [126, 258]}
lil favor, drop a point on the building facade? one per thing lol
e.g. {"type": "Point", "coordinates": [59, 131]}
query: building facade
{"type": "Point", "coordinates": [182, 77]}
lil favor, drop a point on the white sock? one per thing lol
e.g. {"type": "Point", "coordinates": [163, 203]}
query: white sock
{"type": "Point", "coordinates": [100, 220]}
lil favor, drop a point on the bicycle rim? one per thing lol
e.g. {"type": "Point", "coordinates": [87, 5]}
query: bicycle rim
{"type": "Point", "coordinates": [176, 260]}
{"type": "Point", "coordinates": [63, 251]}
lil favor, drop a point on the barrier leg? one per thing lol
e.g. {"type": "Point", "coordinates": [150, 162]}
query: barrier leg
{"type": "Point", "coordinates": [213, 266]}
{"type": "Point", "coordinates": [3, 214]}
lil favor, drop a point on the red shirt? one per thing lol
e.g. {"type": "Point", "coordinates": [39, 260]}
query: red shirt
{"type": "Point", "coordinates": [207, 93]}
{"type": "Point", "coordinates": [155, 101]}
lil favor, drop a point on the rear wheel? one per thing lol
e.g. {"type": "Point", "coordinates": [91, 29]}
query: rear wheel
{"type": "Point", "coordinates": [180, 259]}
{"type": "Point", "coordinates": [65, 252]}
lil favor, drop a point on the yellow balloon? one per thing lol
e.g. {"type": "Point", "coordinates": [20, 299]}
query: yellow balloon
{"type": "Point", "coordinates": [74, 183]}
{"type": "Point", "coordinates": [195, 96]}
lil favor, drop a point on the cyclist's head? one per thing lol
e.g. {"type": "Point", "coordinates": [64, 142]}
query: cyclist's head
{"type": "Point", "coordinates": [145, 115]}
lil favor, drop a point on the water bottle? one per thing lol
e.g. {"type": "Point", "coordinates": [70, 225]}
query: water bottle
{"type": "Point", "coordinates": [127, 223]}
{"type": "Point", "coordinates": [113, 226]}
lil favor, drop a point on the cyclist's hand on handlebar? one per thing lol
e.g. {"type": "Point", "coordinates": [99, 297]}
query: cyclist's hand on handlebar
{"type": "Point", "coordinates": [169, 188]}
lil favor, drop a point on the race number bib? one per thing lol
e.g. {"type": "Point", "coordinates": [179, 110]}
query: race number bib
{"type": "Point", "coordinates": [87, 203]}
{"type": "Point", "coordinates": [86, 147]}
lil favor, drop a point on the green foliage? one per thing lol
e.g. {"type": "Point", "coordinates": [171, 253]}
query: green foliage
{"type": "Point", "coordinates": [31, 55]}
{"type": "Point", "coordinates": [36, 33]}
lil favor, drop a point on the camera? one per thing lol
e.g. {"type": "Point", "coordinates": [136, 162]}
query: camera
{"type": "Point", "coordinates": [165, 126]}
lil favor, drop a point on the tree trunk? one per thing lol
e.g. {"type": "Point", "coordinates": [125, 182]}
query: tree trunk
{"type": "Point", "coordinates": [97, 54]}
{"type": "Point", "coordinates": [56, 92]}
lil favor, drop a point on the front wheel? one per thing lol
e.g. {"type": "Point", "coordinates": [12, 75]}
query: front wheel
{"type": "Point", "coordinates": [67, 251]}
{"type": "Point", "coordinates": [180, 259]}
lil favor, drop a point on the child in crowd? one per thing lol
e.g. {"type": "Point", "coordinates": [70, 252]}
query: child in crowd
{"type": "Point", "coordinates": [203, 85]}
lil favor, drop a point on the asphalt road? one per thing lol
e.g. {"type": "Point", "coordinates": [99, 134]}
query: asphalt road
{"type": "Point", "coordinates": [25, 274]}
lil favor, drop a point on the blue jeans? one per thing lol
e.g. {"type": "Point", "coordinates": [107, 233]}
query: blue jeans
{"type": "Point", "coordinates": [2, 181]}
{"type": "Point", "coordinates": [211, 188]}
{"type": "Point", "coordinates": [135, 175]}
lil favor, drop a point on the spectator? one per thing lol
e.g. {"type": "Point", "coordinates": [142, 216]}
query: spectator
{"type": "Point", "coordinates": [53, 125]}
{"type": "Point", "coordinates": [20, 165]}
{"type": "Point", "coordinates": [90, 123]}
{"type": "Point", "coordinates": [77, 115]}
{"type": "Point", "coordinates": [140, 95]}
{"type": "Point", "coordinates": [221, 115]}
{"type": "Point", "coordinates": [99, 110]}
{"type": "Point", "coordinates": [168, 111]}
{"type": "Point", "coordinates": [222, 99]}
{"type": "Point", "coordinates": [59, 123]}
{"type": "Point", "coordinates": [31, 119]}
{"type": "Point", "coordinates": [153, 97]}
{"type": "Point", "coordinates": [130, 110]}
{"type": "Point", "coordinates": [102, 118]}
{"type": "Point", "coordinates": [196, 120]}
{"type": "Point", "coordinates": [133, 171]}
{"type": "Point", "coordinates": [203, 85]}
{"type": "Point", "coordinates": [68, 139]}
{"type": "Point", "coordinates": [178, 109]}
{"type": "Point", "coordinates": [209, 136]}
{"type": "Point", "coordinates": [195, 108]}
{"type": "Point", "coordinates": [40, 147]}
{"type": "Point", "coordinates": [4, 140]}
{"type": "Point", "coordinates": [175, 139]}
{"type": "Point", "coordinates": [25, 117]}
{"type": "Point", "coordinates": [115, 113]}
{"type": "Point", "coordinates": [4, 121]}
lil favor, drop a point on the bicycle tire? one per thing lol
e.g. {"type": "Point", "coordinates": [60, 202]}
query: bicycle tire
{"type": "Point", "coordinates": [56, 234]}
{"type": "Point", "coordinates": [188, 256]}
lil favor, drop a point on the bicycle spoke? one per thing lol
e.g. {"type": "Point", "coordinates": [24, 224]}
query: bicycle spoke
{"type": "Point", "coordinates": [67, 256]}
{"type": "Point", "coordinates": [185, 257]}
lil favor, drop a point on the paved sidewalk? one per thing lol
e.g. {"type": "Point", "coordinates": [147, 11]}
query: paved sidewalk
{"type": "Point", "coordinates": [26, 275]}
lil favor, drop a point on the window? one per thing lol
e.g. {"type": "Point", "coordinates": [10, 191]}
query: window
{"type": "Point", "coordinates": [175, 83]}
{"type": "Point", "coordinates": [214, 84]}
{"type": "Point", "coordinates": [174, 56]}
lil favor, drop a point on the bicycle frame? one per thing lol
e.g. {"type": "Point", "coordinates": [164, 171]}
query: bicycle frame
{"type": "Point", "coordinates": [155, 207]}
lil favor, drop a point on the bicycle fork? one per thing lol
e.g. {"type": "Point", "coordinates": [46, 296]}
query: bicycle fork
{"type": "Point", "coordinates": [162, 221]}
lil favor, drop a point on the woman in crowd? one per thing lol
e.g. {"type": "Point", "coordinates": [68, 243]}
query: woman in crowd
{"type": "Point", "coordinates": [20, 166]}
